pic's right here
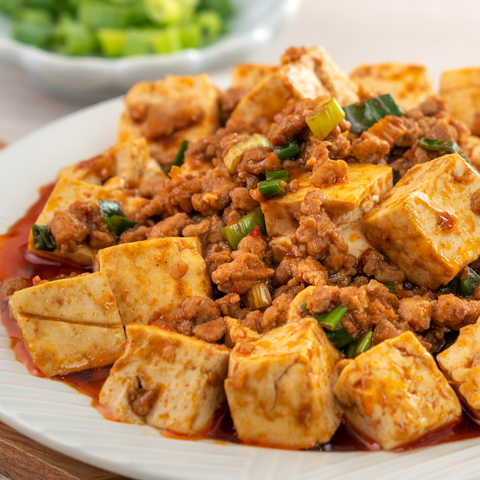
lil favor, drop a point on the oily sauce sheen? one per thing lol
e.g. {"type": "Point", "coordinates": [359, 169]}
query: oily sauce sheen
{"type": "Point", "coordinates": [15, 261]}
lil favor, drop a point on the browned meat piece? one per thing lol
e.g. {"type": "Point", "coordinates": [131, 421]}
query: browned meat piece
{"type": "Point", "coordinates": [242, 204]}
{"type": "Point", "coordinates": [292, 54]}
{"type": "Point", "coordinates": [101, 237]}
{"type": "Point", "coordinates": [321, 299]}
{"type": "Point", "coordinates": [339, 145]}
{"type": "Point", "coordinates": [417, 312]}
{"type": "Point", "coordinates": [293, 287]}
{"type": "Point", "coordinates": [230, 306]}
{"type": "Point", "coordinates": [13, 284]}
{"type": "Point", "coordinates": [182, 190]}
{"type": "Point", "coordinates": [212, 331]}
{"type": "Point", "coordinates": [136, 235]}
{"type": "Point", "coordinates": [170, 227]}
{"type": "Point", "coordinates": [160, 205]}
{"type": "Point", "coordinates": [305, 270]}
{"type": "Point", "coordinates": [151, 186]}
{"type": "Point", "coordinates": [258, 161]}
{"type": "Point", "coordinates": [229, 100]}
{"type": "Point", "coordinates": [475, 202]}
{"type": "Point", "coordinates": [375, 265]}
{"type": "Point", "coordinates": [291, 121]}
{"type": "Point", "coordinates": [313, 148]}
{"type": "Point", "coordinates": [432, 105]}
{"type": "Point", "coordinates": [216, 187]}
{"type": "Point", "coordinates": [443, 130]}
{"type": "Point", "coordinates": [251, 244]}
{"type": "Point", "coordinates": [242, 274]}
{"type": "Point", "coordinates": [142, 399]}
{"type": "Point", "coordinates": [328, 172]}
{"type": "Point", "coordinates": [369, 148]}
{"type": "Point", "coordinates": [453, 312]}
{"type": "Point", "coordinates": [193, 311]}
{"type": "Point", "coordinates": [228, 141]}
{"type": "Point", "coordinates": [199, 229]}
{"type": "Point", "coordinates": [276, 314]}
{"type": "Point", "coordinates": [67, 231]}
{"type": "Point", "coordinates": [203, 151]}
{"type": "Point", "coordinates": [253, 321]}
{"type": "Point", "coordinates": [217, 255]}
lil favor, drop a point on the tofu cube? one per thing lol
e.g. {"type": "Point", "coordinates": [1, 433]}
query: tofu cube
{"type": "Point", "coordinates": [68, 191]}
{"type": "Point", "coordinates": [140, 276]}
{"type": "Point", "coordinates": [394, 393]}
{"type": "Point", "coordinates": [130, 162]}
{"type": "Point", "coordinates": [248, 75]}
{"type": "Point", "coordinates": [461, 365]}
{"type": "Point", "coordinates": [345, 202]}
{"type": "Point", "coordinates": [289, 84]}
{"type": "Point", "coordinates": [460, 89]}
{"type": "Point", "coordinates": [168, 111]}
{"type": "Point", "coordinates": [167, 380]}
{"type": "Point", "coordinates": [279, 387]}
{"type": "Point", "coordinates": [409, 84]}
{"type": "Point", "coordinates": [69, 325]}
{"type": "Point", "coordinates": [425, 224]}
{"type": "Point", "coordinates": [338, 84]}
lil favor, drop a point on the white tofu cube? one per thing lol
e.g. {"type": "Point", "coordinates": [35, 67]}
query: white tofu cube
{"type": "Point", "coordinates": [425, 224]}
{"type": "Point", "coordinates": [69, 325]}
{"type": "Point", "coordinates": [409, 84]}
{"type": "Point", "coordinates": [344, 202]}
{"type": "Point", "coordinates": [68, 191]}
{"type": "Point", "coordinates": [394, 393]}
{"type": "Point", "coordinates": [167, 380]}
{"type": "Point", "coordinates": [279, 387]}
{"type": "Point", "coordinates": [140, 276]}
{"type": "Point", "coordinates": [248, 75]}
{"type": "Point", "coordinates": [461, 365]}
{"type": "Point", "coordinates": [289, 84]}
{"type": "Point", "coordinates": [168, 111]}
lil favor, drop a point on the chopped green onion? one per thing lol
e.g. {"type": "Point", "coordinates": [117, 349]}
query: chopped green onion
{"type": "Point", "coordinates": [325, 117]}
{"type": "Point", "coordinates": [258, 297]}
{"type": "Point", "coordinates": [435, 145]}
{"type": "Point", "coordinates": [363, 115]}
{"type": "Point", "coordinates": [340, 338]}
{"type": "Point", "coordinates": [391, 288]}
{"type": "Point", "coordinates": [272, 188]}
{"type": "Point", "coordinates": [118, 224]}
{"type": "Point", "coordinates": [180, 157]}
{"type": "Point", "coordinates": [330, 320]}
{"type": "Point", "coordinates": [31, 33]}
{"type": "Point", "coordinates": [350, 353]}
{"type": "Point", "coordinates": [164, 12]}
{"type": "Point", "coordinates": [234, 233]}
{"type": "Point", "coordinates": [235, 154]}
{"type": "Point", "coordinates": [111, 41]}
{"type": "Point", "coordinates": [289, 150]}
{"type": "Point", "coordinates": [190, 36]}
{"type": "Point", "coordinates": [109, 209]}
{"type": "Point", "coordinates": [166, 40]}
{"type": "Point", "coordinates": [79, 40]}
{"type": "Point", "coordinates": [280, 174]}
{"type": "Point", "coordinates": [469, 280]}
{"type": "Point", "coordinates": [136, 42]}
{"type": "Point", "coordinates": [43, 239]}
{"type": "Point", "coordinates": [210, 24]}
{"type": "Point", "coordinates": [303, 306]}
{"type": "Point", "coordinates": [450, 287]}
{"type": "Point", "coordinates": [223, 7]}
{"type": "Point", "coordinates": [363, 343]}
{"type": "Point", "coordinates": [102, 15]}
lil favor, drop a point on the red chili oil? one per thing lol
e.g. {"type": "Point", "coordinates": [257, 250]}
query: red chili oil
{"type": "Point", "coordinates": [15, 261]}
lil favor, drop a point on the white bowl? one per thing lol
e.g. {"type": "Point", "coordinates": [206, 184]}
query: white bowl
{"type": "Point", "coordinates": [255, 23]}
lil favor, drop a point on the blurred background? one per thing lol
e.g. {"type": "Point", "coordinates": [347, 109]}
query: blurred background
{"type": "Point", "coordinates": [440, 34]}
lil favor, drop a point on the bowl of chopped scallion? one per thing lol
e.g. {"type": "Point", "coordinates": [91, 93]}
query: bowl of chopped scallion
{"type": "Point", "coordinates": [95, 49]}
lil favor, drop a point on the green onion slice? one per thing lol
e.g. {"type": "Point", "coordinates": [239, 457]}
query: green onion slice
{"type": "Point", "coordinates": [350, 353]}
{"type": "Point", "coordinates": [391, 288]}
{"type": "Point", "coordinates": [363, 115]}
{"type": "Point", "coordinates": [451, 287]}
{"type": "Point", "coordinates": [326, 116]}
{"type": "Point", "coordinates": [468, 282]}
{"type": "Point", "coordinates": [272, 188]}
{"type": "Point", "coordinates": [118, 224]}
{"type": "Point", "coordinates": [180, 157]}
{"type": "Point", "coordinates": [43, 239]}
{"type": "Point", "coordinates": [280, 174]}
{"type": "Point", "coordinates": [289, 150]}
{"type": "Point", "coordinates": [234, 233]}
{"type": "Point", "coordinates": [235, 154]}
{"type": "Point", "coordinates": [363, 343]}
{"type": "Point", "coordinates": [330, 320]}
{"type": "Point", "coordinates": [109, 209]}
{"type": "Point", "coordinates": [303, 306]}
{"type": "Point", "coordinates": [340, 338]}
{"type": "Point", "coordinates": [435, 145]}
{"type": "Point", "coordinates": [258, 297]}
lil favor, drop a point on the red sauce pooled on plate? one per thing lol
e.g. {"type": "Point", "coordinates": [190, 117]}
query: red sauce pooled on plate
{"type": "Point", "coordinates": [15, 261]}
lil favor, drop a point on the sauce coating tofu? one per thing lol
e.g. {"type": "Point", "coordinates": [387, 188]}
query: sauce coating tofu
{"type": "Point", "coordinates": [460, 89]}
{"type": "Point", "coordinates": [394, 393]}
{"type": "Point", "coordinates": [168, 111]}
{"type": "Point", "coordinates": [425, 224]}
{"type": "Point", "coordinates": [167, 380]}
{"type": "Point", "coordinates": [248, 75]}
{"type": "Point", "coordinates": [279, 387]}
{"type": "Point", "coordinates": [129, 163]}
{"type": "Point", "coordinates": [69, 325]}
{"type": "Point", "coordinates": [409, 84]}
{"type": "Point", "coordinates": [68, 191]}
{"type": "Point", "coordinates": [141, 279]}
{"type": "Point", "coordinates": [344, 202]}
{"type": "Point", "coordinates": [461, 365]}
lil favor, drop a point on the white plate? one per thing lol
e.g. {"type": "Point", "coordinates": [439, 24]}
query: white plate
{"type": "Point", "coordinates": [255, 23]}
{"type": "Point", "coordinates": [56, 415]}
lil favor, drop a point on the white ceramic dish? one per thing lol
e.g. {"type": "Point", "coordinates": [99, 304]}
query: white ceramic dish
{"type": "Point", "coordinates": [255, 23]}
{"type": "Point", "coordinates": [59, 417]}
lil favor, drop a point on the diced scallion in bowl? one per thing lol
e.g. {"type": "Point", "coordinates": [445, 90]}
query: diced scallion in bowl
{"type": "Point", "coordinates": [116, 28]}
